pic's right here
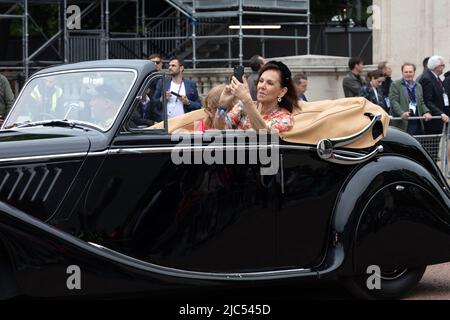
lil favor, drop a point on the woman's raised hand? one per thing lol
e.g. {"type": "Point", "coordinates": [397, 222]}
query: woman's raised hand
{"type": "Point", "coordinates": [226, 97]}
{"type": "Point", "coordinates": [240, 90]}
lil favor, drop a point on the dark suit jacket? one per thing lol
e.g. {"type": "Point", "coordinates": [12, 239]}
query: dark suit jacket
{"type": "Point", "coordinates": [368, 92]}
{"type": "Point", "coordinates": [386, 86]}
{"type": "Point", "coordinates": [433, 96]}
{"type": "Point", "coordinates": [191, 93]}
{"type": "Point", "coordinates": [447, 82]}
{"type": "Point", "coordinates": [252, 78]}
{"type": "Point", "coordinates": [352, 85]}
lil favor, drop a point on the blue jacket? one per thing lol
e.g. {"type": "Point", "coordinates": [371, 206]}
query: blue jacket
{"type": "Point", "coordinates": [191, 93]}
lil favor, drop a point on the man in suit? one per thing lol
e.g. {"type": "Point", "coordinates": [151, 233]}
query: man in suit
{"type": "Point", "coordinates": [256, 63]}
{"type": "Point", "coordinates": [181, 94]}
{"type": "Point", "coordinates": [301, 85]}
{"type": "Point", "coordinates": [447, 82]}
{"type": "Point", "coordinates": [386, 69]}
{"type": "Point", "coordinates": [406, 97]}
{"type": "Point", "coordinates": [434, 94]}
{"type": "Point", "coordinates": [353, 83]}
{"type": "Point", "coordinates": [425, 68]}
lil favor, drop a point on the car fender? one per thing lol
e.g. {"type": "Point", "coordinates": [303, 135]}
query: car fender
{"type": "Point", "coordinates": [354, 231]}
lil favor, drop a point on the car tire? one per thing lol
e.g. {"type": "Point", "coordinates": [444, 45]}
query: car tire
{"type": "Point", "coordinates": [393, 285]}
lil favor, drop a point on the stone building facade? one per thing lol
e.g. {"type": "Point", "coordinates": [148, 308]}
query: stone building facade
{"type": "Point", "coordinates": [410, 30]}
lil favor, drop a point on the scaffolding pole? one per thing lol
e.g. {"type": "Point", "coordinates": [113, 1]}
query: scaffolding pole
{"type": "Point", "coordinates": [66, 34]}
{"type": "Point", "coordinates": [107, 30]}
{"type": "Point", "coordinates": [144, 29]}
{"type": "Point", "coordinates": [25, 35]}
{"type": "Point", "coordinates": [308, 32]}
{"type": "Point", "coordinates": [241, 34]}
{"type": "Point", "coordinates": [194, 43]}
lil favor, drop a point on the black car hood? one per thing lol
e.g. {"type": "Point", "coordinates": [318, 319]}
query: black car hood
{"type": "Point", "coordinates": [38, 141]}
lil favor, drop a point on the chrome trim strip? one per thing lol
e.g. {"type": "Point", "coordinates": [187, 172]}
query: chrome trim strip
{"type": "Point", "coordinates": [44, 157]}
{"type": "Point", "coordinates": [191, 148]}
{"type": "Point", "coordinates": [98, 153]}
{"type": "Point", "coordinates": [350, 153]}
{"type": "Point", "coordinates": [160, 150]}
{"type": "Point", "coordinates": [338, 159]}
{"type": "Point", "coordinates": [40, 184]}
{"type": "Point", "coordinates": [59, 170]}
{"type": "Point", "coordinates": [204, 275]}
{"type": "Point", "coordinates": [4, 180]}
{"type": "Point", "coordinates": [15, 184]}
{"type": "Point", "coordinates": [204, 148]}
{"type": "Point", "coordinates": [302, 148]}
{"type": "Point", "coordinates": [28, 184]}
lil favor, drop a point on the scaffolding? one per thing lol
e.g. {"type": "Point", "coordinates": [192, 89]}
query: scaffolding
{"type": "Point", "coordinates": [210, 9]}
{"type": "Point", "coordinates": [101, 43]}
{"type": "Point", "coordinates": [60, 41]}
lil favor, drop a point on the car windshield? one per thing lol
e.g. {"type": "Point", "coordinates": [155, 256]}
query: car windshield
{"type": "Point", "coordinates": [85, 97]}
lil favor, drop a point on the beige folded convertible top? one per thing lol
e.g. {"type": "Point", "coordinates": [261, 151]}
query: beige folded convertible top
{"type": "Point", "coordinates": [329, 119]}
{"type": "Point", "coordinates": [319, 120]}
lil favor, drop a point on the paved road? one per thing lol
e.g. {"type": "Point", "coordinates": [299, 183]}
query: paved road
{"type": "Point", "coordinates": [435, 284]}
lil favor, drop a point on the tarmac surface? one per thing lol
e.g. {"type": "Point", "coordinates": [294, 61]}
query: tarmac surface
{"type": "Point", "coordinates": [435, 284]}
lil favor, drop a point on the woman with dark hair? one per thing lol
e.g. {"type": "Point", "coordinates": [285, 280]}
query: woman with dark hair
{"type": "Point", "coordinates": [276, 100]}
{"type": "Point", "coordinates": [372, 91]}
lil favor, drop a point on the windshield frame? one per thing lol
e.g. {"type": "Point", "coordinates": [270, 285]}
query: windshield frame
{"type": "Point", "coordinates": [89, 124]}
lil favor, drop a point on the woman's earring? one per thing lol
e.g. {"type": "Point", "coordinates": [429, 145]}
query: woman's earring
{"type": "Point", "coordinates": [279, 99]}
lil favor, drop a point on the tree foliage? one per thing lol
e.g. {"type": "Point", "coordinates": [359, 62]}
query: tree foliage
{"type": "Point", "coordinates": [323, 10]}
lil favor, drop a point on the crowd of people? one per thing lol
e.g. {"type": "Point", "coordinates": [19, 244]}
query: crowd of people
{"type": "Point", "coordinates": [268, 96]}
{"type": "Point", "coordinates": [264, 99]}
{"type": "Point", "coordinates": [418, 105]}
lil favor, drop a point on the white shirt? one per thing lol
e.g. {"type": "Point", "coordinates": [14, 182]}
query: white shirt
{"type": "Point", "coordinates": [376, 94]}
{"type": "Point", "coordinates": [174, 104]}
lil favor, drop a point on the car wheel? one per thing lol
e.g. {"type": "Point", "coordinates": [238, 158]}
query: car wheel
{"type": "Point", "coordinates": [394, 284]}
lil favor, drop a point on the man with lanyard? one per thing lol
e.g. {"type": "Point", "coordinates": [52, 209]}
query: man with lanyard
{"type": "Point", "coordinates": [413, 125]}
{"type": "Point", "coordinates": [181, 94]}
{"type": "Point", "coordinates": [406, 97]}
{"type": "Point", "coordinates": [434, 94]}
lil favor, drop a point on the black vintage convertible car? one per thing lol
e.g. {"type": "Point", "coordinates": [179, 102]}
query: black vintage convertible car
{"type": "Point", "coordinates": [93, 202]}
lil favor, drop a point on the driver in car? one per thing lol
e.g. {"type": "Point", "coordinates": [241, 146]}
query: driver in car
{"type": "Point", "coordinates": [105, 102]}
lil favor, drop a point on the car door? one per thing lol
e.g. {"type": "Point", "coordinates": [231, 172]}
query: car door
{"type": "Point", "coordinates": [188, 215]}
{"type": "Point", "coordinates": [310, 190]}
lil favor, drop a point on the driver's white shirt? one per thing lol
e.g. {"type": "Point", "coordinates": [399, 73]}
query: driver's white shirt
{"type": "Point", "coordinates": [174, 104]}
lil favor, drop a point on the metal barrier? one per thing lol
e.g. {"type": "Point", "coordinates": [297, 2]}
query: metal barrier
{"type": "Point", "coordinates": [435, 144]}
